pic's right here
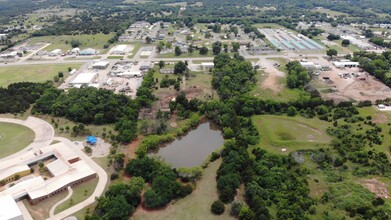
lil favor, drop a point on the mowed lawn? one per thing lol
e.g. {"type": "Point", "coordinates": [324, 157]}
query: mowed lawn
{"type": "Point", "coordinates": [14, 138]}
{"type": "Point", "coordinates": [194, 206]}
{"type": "Point", "coordinates": [32, 73]}
{"type": "Point", "coordinates": [63, 42]}
{"type": "Point", "coordinates": [292, 133]}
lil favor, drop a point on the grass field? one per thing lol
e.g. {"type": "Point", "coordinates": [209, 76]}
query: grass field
{"type": "Point", "coordinates": [32, 73]}
{"type": "Point", "coordinates": [292, 133]}
{"type": "Point", "coordinates": [87, 41]}
{"type": "Point", "coordinates": [194, 206]}
{"type": "Point", "coordinates": [14, 138]}
{"type": "Point", "coordinates": [41, 210]}
{"type": "Point", "coordinates": [80, 193]}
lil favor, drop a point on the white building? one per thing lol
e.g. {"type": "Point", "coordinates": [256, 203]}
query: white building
{"type": "Point", "coordinates": [346, 64]}
{"type": "Point", "coordinates": [130, 74]}
{"type": "Point", "coordinates": [9, 210]}
{"type": "Point", "coordinates": [83, 79]}
{"type": "Point", "coordinates": [55, 52]}
{"type": "Point", "coordinates": [101, 65]}
{"type": "Point", "coordinates": [207, 65]}
{"type": "Point", "coordinates": [120, 49]}
{"type": "Point", "coordinates": [358, 43]}
{"type": "Point", "coordinates": [3, 36]}
{"type": "Point", "coordinates": [66, 169]}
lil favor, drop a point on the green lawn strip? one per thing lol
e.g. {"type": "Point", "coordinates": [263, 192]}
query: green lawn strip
{"type": "Point", "coordinates": [80, 193]}
{"type": "Point", "coordinates": [13, 138]}
{"type": "Point", "coordinates": [32, 73]}
{"type": "Point", "coordinates": [63, 42]}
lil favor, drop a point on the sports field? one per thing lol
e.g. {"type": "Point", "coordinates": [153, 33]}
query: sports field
{"type": "Point", "coordinates": [14, 138]}
{"type": "Point", "coordinates": [32, 73]}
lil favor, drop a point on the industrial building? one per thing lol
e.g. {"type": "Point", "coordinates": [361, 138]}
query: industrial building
{"type": "Point", "coordinates": [358, 43]}
{"type": "Point", "coordinates": [55, 52]}
{"type": "Point", "coordinates": [284, 40]}
{"type": "Point", "coordinates": [83, 79]}
{"type": "Point", "coordinates": [120, 49]}
{"type": "Point", "coordinates": [88, 52]}
{"type": "Point", "coordinates": [9, 55]}
{"type": "Point", "coordinates": [101, 65]}
{"type": "Point", "coordinates": [9, 210]}
{"type": "Point", "coordinates": [346, 64]}
{"type": "Point", "coordinates": [207, 65]}
{"type": "Point", "coordinates": [64, 166]}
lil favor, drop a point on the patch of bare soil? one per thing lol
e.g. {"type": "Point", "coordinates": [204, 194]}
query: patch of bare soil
{"type": "Point", "coordinates": [377, 187]}
{"type": "Point", "coordinates": [131, 149]}
{"type": "Point", "coordinates": [380, 118]}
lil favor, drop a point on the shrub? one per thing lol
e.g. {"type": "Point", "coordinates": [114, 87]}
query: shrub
{"type": "Point", "coordinates": [235, 208]}
{"type": "Point", "coordinates": [217, 207]}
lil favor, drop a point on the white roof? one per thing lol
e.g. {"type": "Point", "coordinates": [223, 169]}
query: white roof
{"type": "Point", "coordinates": [57, 167]}
{"type": "Point", "coordinates": [120, 48]}
{"type": "Point", "coordinates": [78, 170]}
{"type": "Point", "coordinates": [101, 63]}
{"type": "Point", "coordinates": [16, 160]}
{"type": "Point", "coordinates": [13, 170]}
{"type": "Point", "coordinates": [349, 63]}
{"type": "Point", "coordinates": [56, 51]}
{"type": "Point", "coordinates": [9, 209]}
{"type": "Point", "coordinates": [83, 78]}
{"type": "Point", "coordinates": [207, 64]}
{"type": "Point", "coordinates": [20, 189]}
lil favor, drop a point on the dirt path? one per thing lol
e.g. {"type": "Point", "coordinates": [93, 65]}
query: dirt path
{"type": "Point", "coordinates": [273, 76]}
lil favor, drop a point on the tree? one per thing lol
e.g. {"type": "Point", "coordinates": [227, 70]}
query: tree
{"type": "Point", "coordinates": [180, 67]}
{"type": "Point", "coordinates": [216, 47]}
{"type": "Point", "coordinates": [235, 46]}
{"type": "Point", "coordinates": [331, 52]}
{"type": "Point", "coordinates": [161, 64]}
{"type": "Point", "coordinates": [148, 40]}
{"type": "Point", "coordinates": [191, 48]}
{"type": "Point", "coordinates": [60, 74]}
{"type": "Point", "coordinates": [291, 111]}
{"type": "Point", "coordinates": [204, 50]}
{"type": "Point", "coordinates": [217, 207]}
{"type": "Point", "coordinates": [345, 43]}
{"type": "Point", "coordinates": [178, 51]}
{"type": "Point", "coordinates": [333, 37]}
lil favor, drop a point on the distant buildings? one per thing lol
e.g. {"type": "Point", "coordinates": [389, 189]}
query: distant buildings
{"type": "Point", "coordinates": [346, 64]}
{"type": "Point", "coordinates": [101, 65]}
{"type": "Point", "coordinates": [358, 43]}
{"type": "Point", "coordinates": [120, 49]}
{"type": "Point", "coordinates": [88, 52]}
{"type": "Point", "coordinates": [55, 52]}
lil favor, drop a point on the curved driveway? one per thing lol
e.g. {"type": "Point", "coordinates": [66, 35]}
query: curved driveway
{"type": "Point", "coordinates": [44, 133]}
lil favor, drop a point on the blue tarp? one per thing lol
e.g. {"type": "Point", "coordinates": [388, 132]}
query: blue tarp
{"type": "Point", "coordinates": [91, 139]}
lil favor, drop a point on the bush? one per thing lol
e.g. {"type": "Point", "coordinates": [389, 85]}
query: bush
{"type": "Point", "coordinates": [235, 208]}
{"type": "Point", "coordinates": [217, 207]}
{"type": "Point", "coordinates": [114, 176]}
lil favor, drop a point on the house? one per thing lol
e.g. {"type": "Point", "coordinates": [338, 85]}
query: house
{"type": "Point", "coordinates": [207, 65]}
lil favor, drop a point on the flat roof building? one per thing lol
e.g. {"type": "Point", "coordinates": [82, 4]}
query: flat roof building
{"type": "Point", "coordinates": [120, 49]}
{"type": "Point", "coordinates": [9, 210]}
{"type": "Point", "coordinates": [207, 65]}
{"type": "Point", "coordinates": [67, 169]}
{"type": "Point", "coordinates": [83, 79]}
{"type": "Point", "coordinates": [88, 52]}
{"type": "Point", "coordinates": [55, 52]}
{"type": "Point", "coordinates": [346, 64]}
{"type": "Point", "coordinates": [101, 65]}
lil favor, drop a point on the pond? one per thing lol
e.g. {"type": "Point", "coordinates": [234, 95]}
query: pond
{"type": "Point", "coordinates": [192, 149]}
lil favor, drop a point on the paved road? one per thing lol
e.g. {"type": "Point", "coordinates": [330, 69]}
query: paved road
{"type": "Point", "coordinates": [53, 208]}
{"type": "Point", "coordinates": [44, 133]}
{"type": "Point", "coordinates": [103, 178]}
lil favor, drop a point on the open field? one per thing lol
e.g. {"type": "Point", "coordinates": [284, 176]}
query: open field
{"type": "Point", "coordinates": [80, 193]}
{"type": "Point", "coordinates": [86, 41]}
{"type": "Point", "coordinates": [194, 206]}
{"type": "Point", "coordinates": [14, 138]}
{"type": "Point", "coordinates": [279, 132]}
{"type": "Point", "coordinates": [34, 73]}
{"type": "Point", "coordinates": [331, 13]}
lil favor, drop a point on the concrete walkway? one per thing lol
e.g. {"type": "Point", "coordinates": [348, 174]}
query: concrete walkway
{"type": "Point", "coordinates": [53, 208]}
{"type": "Point", "coordinates": [102, 175]}
{"type": "Point", "coordinates": [43, 131]}
{"type": "Point", "coordinates": [25, 212]}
